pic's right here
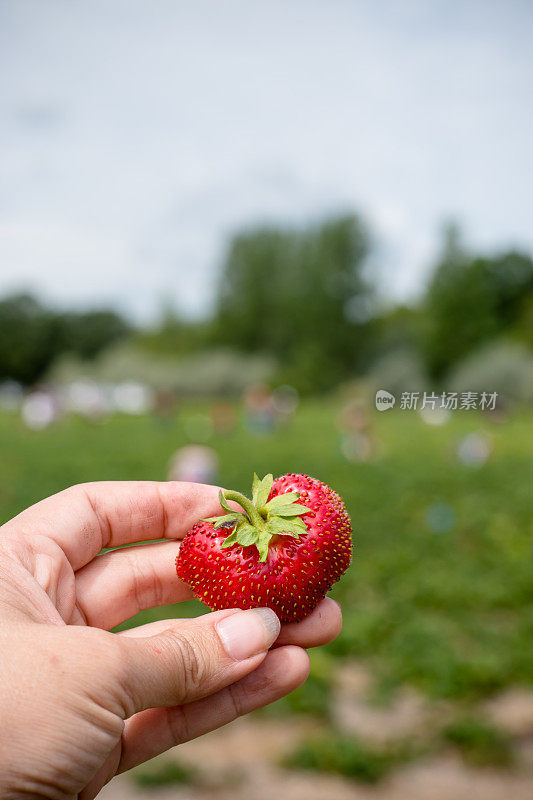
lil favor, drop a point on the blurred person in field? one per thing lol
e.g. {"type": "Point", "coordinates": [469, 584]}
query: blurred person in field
{"type": "Point", "coordinates": [40, 409]}
{"type": "Point", "coordinates": [223, 417]}
{"type": "Point", "coordinates": [259, 409]}
{"type": "Point", "coordinates": [165, 404]}
{"type": "Point", "coordinates": [194, 463]}
{"type": "Point", "coordinates": [357, 441]}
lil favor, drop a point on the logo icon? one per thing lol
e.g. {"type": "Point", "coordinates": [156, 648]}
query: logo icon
{"type": "Point", "coordinates": [384, 400]}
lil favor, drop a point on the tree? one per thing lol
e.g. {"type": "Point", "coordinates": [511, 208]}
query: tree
{"type": "Point", "coordinates": [29, 338]}
{"type": "Point", "coordinates": [32, 336]}
{"type": "Point", "coordinates": [300, 295]}
{"type": "Point", "coordinates": [470, 300]}
{"type": "Point", "coordinates": [87, 333]}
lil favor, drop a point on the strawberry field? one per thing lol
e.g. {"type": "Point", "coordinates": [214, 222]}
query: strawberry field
{"type": "Point", "coordinates": [439, 593]}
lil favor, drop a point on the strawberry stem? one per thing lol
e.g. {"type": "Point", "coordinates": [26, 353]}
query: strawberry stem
{"type": "Point", "coordinates": [250, 510]}
{"type": "Point", "coordinates": [263, 520]}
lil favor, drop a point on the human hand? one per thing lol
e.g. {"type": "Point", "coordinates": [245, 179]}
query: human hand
{"type": "Point", "coordinates": [79, 704]}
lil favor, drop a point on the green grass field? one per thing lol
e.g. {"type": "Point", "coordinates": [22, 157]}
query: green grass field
{"type": "Point", "coordinates": [449, 612]}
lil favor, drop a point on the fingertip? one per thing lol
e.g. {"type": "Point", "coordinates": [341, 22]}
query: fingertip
{"type": "Point", "coordinates": [248, 633]}
{"type": "Point", "coordinates": [292, 667]}
{"type": "Point", "coordinates": [300, 663]}
{"type": "Point", "coordinates": [331, 615]}
{"type": "Point", "coordinates": [284, 669]}
{"type": "Point", "coordinates": [322, 626]}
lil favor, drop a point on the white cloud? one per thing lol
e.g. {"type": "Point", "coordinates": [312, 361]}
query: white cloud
{"type": "Point", "coordinates": [81, 265]}
{"type": "Point", "coordinates": [134, 135]}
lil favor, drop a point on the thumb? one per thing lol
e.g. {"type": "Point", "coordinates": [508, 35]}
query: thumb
{"type": "Point", "coordinates": [194, 658]}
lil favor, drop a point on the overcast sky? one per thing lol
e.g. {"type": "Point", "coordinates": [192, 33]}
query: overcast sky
{"type": "Point", "coordinates": [135, 135]}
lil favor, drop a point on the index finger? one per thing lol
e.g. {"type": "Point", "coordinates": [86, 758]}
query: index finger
{"type": "Point", "coordinates": [88, 517]}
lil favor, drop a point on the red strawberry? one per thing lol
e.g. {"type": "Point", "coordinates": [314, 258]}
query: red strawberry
{"type": "Point", "coordinates": [274, 553]}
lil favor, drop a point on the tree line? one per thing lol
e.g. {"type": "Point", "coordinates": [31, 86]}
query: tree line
{"type": "Point", "coordinates": [306, 296]}
{"type": "Point", "coordinates": [32, 335]}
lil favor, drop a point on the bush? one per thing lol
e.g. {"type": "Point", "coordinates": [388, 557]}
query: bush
{"type": "Point", "coordinates": [33, 335]}
{"type": "Point", "coordinates": [314, 696]}
{"type": "Point", "coordinates": [213, 372]}
{"type": "Point", "coordinates": [503, 367]}
{"type": "Point", "coordinates": [399, 371]}
{"type": "Point", "coordinates": [346, 755]}
{"type": "Point", "coordinates": [480, 744]}
{"type": "Point", "coordinates": [165, 773]}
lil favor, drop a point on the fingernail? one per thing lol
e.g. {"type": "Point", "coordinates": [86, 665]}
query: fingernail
{"type": "Point", "coordinates": [248, 633]}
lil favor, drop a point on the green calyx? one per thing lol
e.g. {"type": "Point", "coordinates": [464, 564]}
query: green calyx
{"type": "Point", "coordinates": [261, 519]}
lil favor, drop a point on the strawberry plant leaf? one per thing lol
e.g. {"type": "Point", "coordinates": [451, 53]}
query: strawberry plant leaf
{"type": "Point", "coordinates": [224, 520]}
{"type": "Point", "coordinates": [230, 540]}
{"type": "Point", "coordinates": [293, 510]}
{"type": "Point", "coordinates": [255, 488]}
{"type": "Point", "coordinates": [261, 518]}
{"type": "Point", "coordinates": [289, 526]}
{"type": "Point", "coordinates": [263, 490]}
{"type": "Point", "coordinates": [227, 520]}
{"type": "Point", "coordinates": [224, 502]}
{"type": "Point", "coordinates": [247, 535]}
{"type": "Point", "coordinates": [282, 500]}
{"type": "Point", "coordinates": [262, 546]}
{"type": "Point", "coordinates": [288, 532]}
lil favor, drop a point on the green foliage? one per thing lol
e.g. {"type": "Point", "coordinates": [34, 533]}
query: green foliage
{"type": "Point", "coordinates": [480, 743]}
{"type": "Point", "coordinates": [32, 336]}
{"type": "Point", "coordinates": [260, 520]}
{"type": "Point", "coordinates": [174, 335]}
{"type": "Point", "coordinates": [301, 296]}
{"type": "Point", "coordinates": [29, 338]}
{"type": "Point", "coordinates": [449, 613]}
{"type": "Point", "coordinates": [504, 366]}
{"type": "Point", "coordinates": [397, 328]}
{"type": "Point", "coordinates": [212, 372]}
{"type": "Point", "coordinates": [314, 696]}
{"type": "Point", "coordinates": [349, 756]}
{"type": "Point", "coordinates": [398, 371]}
{"type": "Point", "coordinates": [162, 773]}
{"type": "Point", "coordinates": [87, 333]}
{"type": "Point", "coordinates": [300, 302]}
{"type": "Point", "coordinates": [471, 300]}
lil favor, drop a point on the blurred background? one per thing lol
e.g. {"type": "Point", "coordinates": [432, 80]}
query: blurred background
{"type": "Point", "coordinates": [224, 226]}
